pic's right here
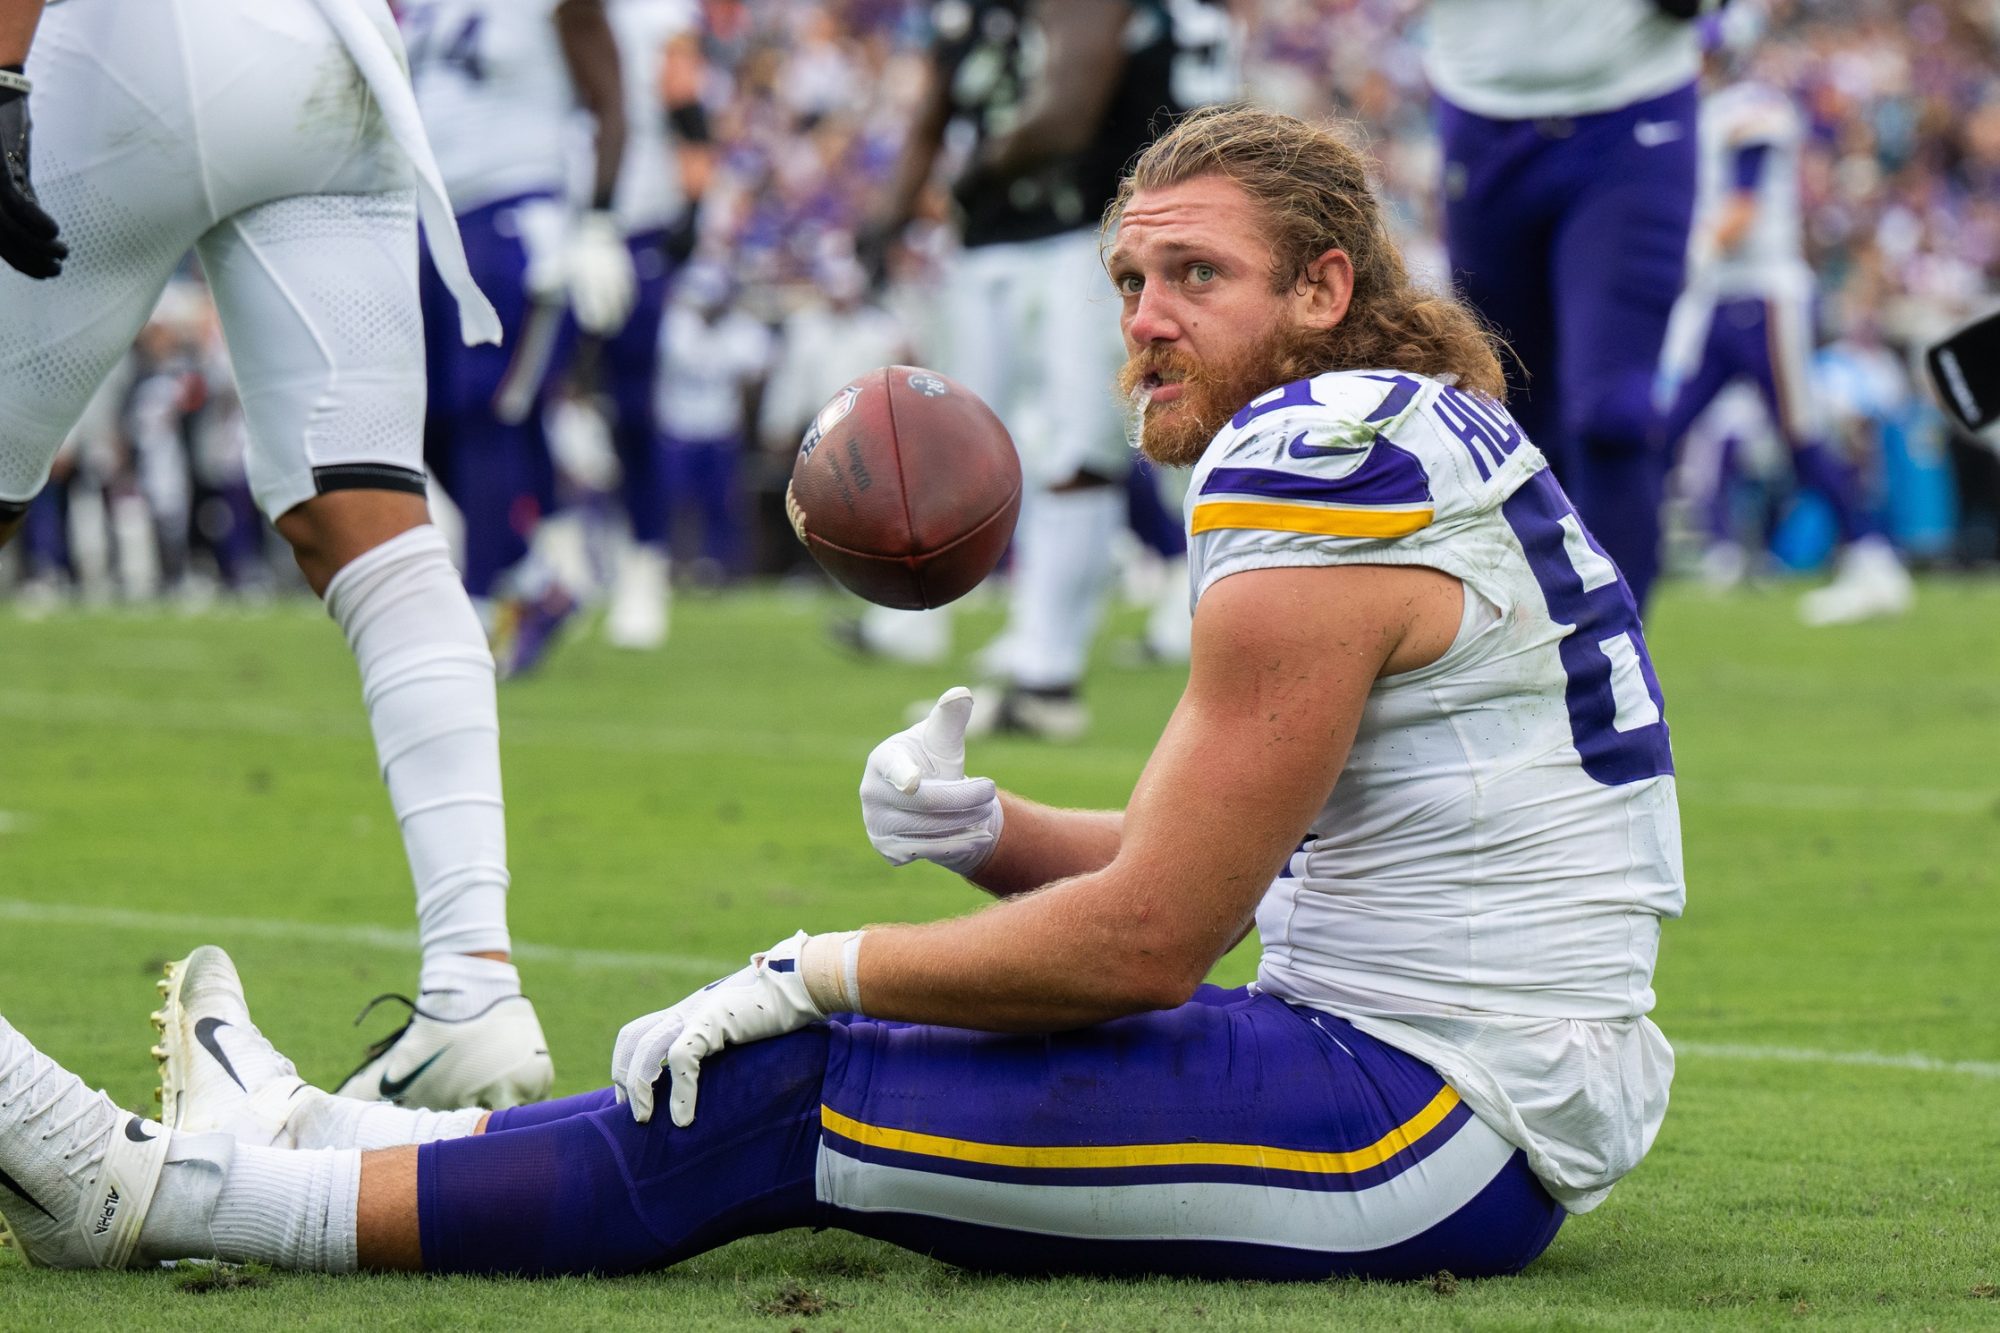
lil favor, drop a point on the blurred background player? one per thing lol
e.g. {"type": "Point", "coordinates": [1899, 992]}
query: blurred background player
{"type": "Point", "coordinates": [1568, 131]}
{"type": "Point", "coordinates": [496, 82]}
{"type": "Point", "coordinates": [667, 164]}
{"type": "Point", "coordinates": [1048, 102]}
{"type": "Point", "coordinates": [1747, 316]}
{"type": "Point", "coordinates": [208, 124]}
{"type": "Point", "coordinates": [713, 359]}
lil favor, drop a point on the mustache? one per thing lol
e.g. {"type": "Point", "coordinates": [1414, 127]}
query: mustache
{"type": "Point", "coordinates": [1160, 363]}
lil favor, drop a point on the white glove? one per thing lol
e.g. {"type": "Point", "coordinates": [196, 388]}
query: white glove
{"type": "Point", "coordinates": [769, 998]}
{"type": "Point", "coordinates": [598, 270]}
{"type": "Point", "coordinates": [543, 226]}
{"type": "Point", "coordinates": [917, 802]}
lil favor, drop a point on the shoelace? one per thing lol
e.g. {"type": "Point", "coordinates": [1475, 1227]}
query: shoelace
{"type": "Point", "coordinates": [416, 1011]}
{"type": "Point", "coordinates": [63, 1085]}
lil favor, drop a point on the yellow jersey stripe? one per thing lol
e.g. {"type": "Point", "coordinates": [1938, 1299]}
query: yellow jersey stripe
{"type": "Point", "coordinates": [1316, 520]}
{"type": "Point", "coordinates": [1147, 1154]}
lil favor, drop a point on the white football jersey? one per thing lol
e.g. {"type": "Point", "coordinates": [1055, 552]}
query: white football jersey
{"type": "Point", "coordinates": [494, 92]}
{"type": "Point", "coordinates": [1756, 120]}
{"type": "Point", "coordinates": [1484, 886]}
{"type": "Point", "coordinates": [1522, 59]}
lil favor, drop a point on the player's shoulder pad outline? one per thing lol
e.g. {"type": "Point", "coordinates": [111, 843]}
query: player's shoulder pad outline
{"type": "Point", "coordinates": [1314, 457]}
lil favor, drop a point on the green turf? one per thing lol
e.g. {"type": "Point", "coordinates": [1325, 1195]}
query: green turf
{"type": "Point", "coordinates": [169, 780]}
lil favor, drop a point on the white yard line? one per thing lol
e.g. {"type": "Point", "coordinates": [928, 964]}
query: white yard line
{"type": "Point", "coordinates": [1860, 800]}
{"type": "Point", "coordinates": [382, 938]}
{"type": "Point", "coordinates": [1923, 1064]}
{"type": "Point", "coordinates": [195, 929]}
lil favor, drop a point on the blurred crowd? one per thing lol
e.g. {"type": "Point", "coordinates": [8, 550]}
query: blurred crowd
{"type": "Point", "coordinates": [808, 102]}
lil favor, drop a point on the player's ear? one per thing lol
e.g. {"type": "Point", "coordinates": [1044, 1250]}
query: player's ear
{"type": "Point", "coordinates": [1325, 289]}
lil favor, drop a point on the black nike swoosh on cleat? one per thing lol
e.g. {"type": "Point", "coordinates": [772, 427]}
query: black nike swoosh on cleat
{"type": "Point", "coordinates": [204, 1032]}
{"type": "Point", "coordinates": [392, 1088]}
{"type": "Point", "coordinates": [135, 1130]}
{"type": "Point", "coordinates": [8, 1182]}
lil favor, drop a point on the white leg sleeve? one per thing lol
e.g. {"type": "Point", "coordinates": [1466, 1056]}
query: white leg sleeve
{"type": "Point", "coordinates": [1062, 577]}
{"type": "Point", "coordinates": [427, 679]}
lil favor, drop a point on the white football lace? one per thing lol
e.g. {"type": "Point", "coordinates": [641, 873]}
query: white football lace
{"type": "Point", "coordinates": [31, 1071]}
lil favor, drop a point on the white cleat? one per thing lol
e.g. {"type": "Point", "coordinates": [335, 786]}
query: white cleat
{"type": "Point", "coordinates": [637, 619]}
{"type": "Point", "coordinates": [1013, 711]}
{"type": "Point", "coordinates": [495, 1059]}
{"type": "Point", "coordinates": [1871, 583]}
{"type": "Point", "coordinates": [77, 1175]}
{"type": "Point", "coordinates": [218, 1073]}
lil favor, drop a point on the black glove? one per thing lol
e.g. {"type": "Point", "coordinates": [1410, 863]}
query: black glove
{"type": "Point", "coordinates": [873, 240]}
{"type": "Point", "coordinates": [27, 234]}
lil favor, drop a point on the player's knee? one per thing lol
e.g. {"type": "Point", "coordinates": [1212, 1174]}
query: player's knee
{"type": "Point", "coordinates": [329, 530]}
{"type": "Point", "coordinates": [13, 514]}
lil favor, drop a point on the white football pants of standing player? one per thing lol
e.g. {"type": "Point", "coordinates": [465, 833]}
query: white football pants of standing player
{"type": "Point", "coordinates": [1033, 329]}
{"type": "Point", "coordinates": [243, 129]}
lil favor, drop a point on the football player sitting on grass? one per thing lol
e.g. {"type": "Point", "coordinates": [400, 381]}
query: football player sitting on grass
{"type": "Point", "coordinates": [1421, 750]}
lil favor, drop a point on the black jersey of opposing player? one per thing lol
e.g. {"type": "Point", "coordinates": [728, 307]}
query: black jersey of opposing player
{"type": "Point", "coordinates": [1179, 54]}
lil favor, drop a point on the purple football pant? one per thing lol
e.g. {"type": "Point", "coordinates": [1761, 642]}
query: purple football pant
{"type": "Point", "coordinates": [702, 478]}
{"type": "Point", "coordinates": [1742, 336]}
{"type": "Point", "coordinates": [1234, 1137]}
{"type": "Point", "coordinates": [628, 363]}
{"type": "Point", "coordinates": [1569, 235]}
{"type": "Point", "coordinates": [497, 472]}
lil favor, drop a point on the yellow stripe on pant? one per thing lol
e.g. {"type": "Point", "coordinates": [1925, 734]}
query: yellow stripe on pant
{"type": "Point", "coordinates": [1147, 1154]}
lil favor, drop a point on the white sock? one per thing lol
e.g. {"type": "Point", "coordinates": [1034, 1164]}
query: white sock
{"type": "Point", "coordinates": [1170, 625]}
{"type": "Point", "coordinates": [325, 1121]}
{"type": "Point", "coordinates": [427, 680]}
{"type": "Point", "coordinates": [278, 1206]}
{"type": "Point", "coordinates": [1062, 579]}
{"type": "Point", "coordinates": [290, 1209]}
{"type": "Point", "coordinates": [457, 985]}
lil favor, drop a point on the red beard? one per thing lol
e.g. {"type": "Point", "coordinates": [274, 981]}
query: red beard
{"type": "Point", "coordinates": [1176, 434]}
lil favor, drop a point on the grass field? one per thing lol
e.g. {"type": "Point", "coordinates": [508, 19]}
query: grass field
{"type": "Point", "coordinates": [1833, 1151]}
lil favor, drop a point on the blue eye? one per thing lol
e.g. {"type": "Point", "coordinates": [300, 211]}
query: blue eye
{"type": "Point", "coordinates": [1130, 284]}
{"type": "Point", "coordinates": [1201, 272]}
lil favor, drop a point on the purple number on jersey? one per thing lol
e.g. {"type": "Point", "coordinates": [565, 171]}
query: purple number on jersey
{"type": "Point", "coordinates": [1616, 714]}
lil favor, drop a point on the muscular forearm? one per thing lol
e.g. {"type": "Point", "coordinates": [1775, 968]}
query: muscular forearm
{"type": "Point", "coordinates": [1040, 844]}
{"type": "Point", "coordinates": [591, 52]}
{"type": "Point", "coordinates": [17, 29]}
{"type": "Point", "coordinates": [920, 148]}
{"type": "Point", "coordinates": [1082, 951]}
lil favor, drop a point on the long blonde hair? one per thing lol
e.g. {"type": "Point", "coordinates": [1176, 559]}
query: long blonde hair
{"type": "Point", "coordinates": [1312, 187]}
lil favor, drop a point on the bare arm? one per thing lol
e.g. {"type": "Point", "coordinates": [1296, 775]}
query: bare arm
{"type": "Point", "coordinates": [1065, 109]}
{"type": "Point", "coordinates": [1283, 663]}
{"type": "Point", "coordinates": [17, 29]}
{"type": "Point", "coordinates": [920, 149]}
{"type": "Point", "coordinates": [1040, 844]}
{"type": "Point", "coordinates": [680, 94]}
{"type": "Point", "coordinates": [591, 52]}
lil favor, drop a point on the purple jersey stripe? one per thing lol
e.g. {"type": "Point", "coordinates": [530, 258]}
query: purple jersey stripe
{"type": "Point", "coordinates": [1388, 476]}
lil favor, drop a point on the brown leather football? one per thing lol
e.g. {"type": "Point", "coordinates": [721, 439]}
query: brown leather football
{"type": "Point", "coordinates": [906, 488]}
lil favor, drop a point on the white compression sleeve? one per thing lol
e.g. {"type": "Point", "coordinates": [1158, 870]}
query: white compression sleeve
{"type": "Point", "coordinates": [427, 680]}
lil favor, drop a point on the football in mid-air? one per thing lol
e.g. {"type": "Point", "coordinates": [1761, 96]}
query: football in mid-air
{"type": "Point", "coordinates": [906, 488]}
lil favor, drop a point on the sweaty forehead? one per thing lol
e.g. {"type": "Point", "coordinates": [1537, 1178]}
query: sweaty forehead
{"type": "Point", "coordinates": [1209, 211]}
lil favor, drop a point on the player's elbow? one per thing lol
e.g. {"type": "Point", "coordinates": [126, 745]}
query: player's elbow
{"type": "Point", "coordinates": [1161, 979]}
